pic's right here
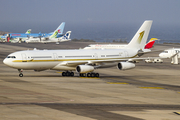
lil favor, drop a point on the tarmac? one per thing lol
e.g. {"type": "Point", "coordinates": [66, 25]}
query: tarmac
{"type": "Point", "coordinates": [150, 91]}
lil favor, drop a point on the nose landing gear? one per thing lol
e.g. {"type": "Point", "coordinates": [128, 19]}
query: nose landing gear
{"type": "Point", "coordinates": [20, 72]}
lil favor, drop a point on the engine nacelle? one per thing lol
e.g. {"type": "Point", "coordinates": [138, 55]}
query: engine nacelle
{"type": "Point", "coordinates": [125, 65]}
{"type": "Point", "coordinates": [84, 68]}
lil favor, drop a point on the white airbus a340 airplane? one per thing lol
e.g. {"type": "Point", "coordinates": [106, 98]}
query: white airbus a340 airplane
{"type": "Point", "coordinates": [82, 61]}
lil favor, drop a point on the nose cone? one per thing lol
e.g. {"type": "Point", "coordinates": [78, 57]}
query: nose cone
{"type": "Point", "coordinates": [162, 55]}
{"type": "Point", "coordinates": [8, 62]}
{"type": "Point", "coordinates": [5, 61]}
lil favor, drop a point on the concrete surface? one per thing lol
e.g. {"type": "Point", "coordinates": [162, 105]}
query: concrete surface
{"type": "Point", "coordinates": [150, 91]}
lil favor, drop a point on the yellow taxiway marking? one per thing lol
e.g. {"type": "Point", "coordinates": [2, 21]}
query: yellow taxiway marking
{"type": "Point", "coordinates": [179, 92]}
{"type": "Point", "coordinates": [116, 83]}
{"type": "Point", "coordinates": [58, 72]}
{"type": "Point", "coordinates": [178, 113]}
{"type": "Point", "coordinates": [90, 77]}
{"type": "Point", "coordinates": [151, 87]}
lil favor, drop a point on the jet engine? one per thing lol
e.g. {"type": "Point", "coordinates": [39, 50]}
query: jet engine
{"type": "Point", "coordinates": [84, 68]}
{"type": "Point", "coordinates": [125, 65]}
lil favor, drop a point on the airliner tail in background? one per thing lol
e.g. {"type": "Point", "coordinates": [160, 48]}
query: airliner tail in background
{"type": "Point", "coordinates": [150, 43]}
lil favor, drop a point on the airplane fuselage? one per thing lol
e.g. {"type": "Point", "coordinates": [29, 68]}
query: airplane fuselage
{"type": "Point", "coordinates": [58, 59]}
{"type": "Point", "coordinates": [170, 52]}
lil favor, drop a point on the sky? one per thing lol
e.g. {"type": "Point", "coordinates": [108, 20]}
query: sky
{"type": "Point", "coordinates": [46, 15]}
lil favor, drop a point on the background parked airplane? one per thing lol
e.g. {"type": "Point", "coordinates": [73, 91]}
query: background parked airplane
{"type": "Point", "coordinates": [173, 53]}
{"type": "Point", "coordinates": [82, 61]}
{"type": "Point", "coordinates": [6, 37]}
{"type": "Point", "coordinates": [52, 38]}
{"type": "Point", "coordinates": [119, 46]}
{"type": "Point", "coordinates": [18, 37]}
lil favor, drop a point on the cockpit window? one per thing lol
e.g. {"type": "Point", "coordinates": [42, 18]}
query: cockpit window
{"type": "Point", "coordinates": [11, 57]}
{"type": "Point", "coordinates": [165, 52]}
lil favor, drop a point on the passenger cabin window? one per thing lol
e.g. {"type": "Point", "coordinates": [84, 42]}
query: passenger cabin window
{"type": "Point", "coordinates": [41, 57]}
{"type": "Point", "coordinates": [11, 57]}
{"type": "Point", "coordinates": [102, 55]}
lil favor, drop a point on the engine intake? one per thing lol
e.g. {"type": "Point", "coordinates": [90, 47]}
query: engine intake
{"type": "Point", "coordinates": [84, 68]}
{"type": "Point", "coordinates": [125, 65]}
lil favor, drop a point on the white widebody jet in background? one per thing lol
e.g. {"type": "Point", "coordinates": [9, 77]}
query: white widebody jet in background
{"type": "Point", "coordinates": [119, 46]}
{"type": "Point", "coordinates": [82, 61]}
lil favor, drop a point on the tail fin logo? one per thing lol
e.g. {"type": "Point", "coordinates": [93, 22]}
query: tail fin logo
{"type": "Point", "coordinates": [140, 37]}
{"type": "Point", "coordinates": [59, 31]}
{"type": "Point", "coordinates": [28, 31]}
{"type": "Point", "coordinates": [54, 35]}
{"type": "Point", "coordinates": [153, 39]}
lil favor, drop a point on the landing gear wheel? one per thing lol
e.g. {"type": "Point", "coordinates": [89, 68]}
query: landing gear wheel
{"type": "Point", "coordinates": [92, 74]}
{"type": "Point", "coordinates": [71, 74]}
{"type": "Point", "coordinates": [20, 75]}
{"type": "Point", "coordinates": [20, 72]}
{"type": "Point", "coordinates": [96, 74]}
{"type": "Point", "coordinates": [63, 74]}
{"type": "Point", "coordinates": [68, 74]}
{"type": "Point", "coordinates": [82, 74]}
{"type": "Point", "coordinates": [89, 75]}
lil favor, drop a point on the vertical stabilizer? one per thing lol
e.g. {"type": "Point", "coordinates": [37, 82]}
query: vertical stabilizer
{"type": "Point", "coordinates": [28, 31]}
{"type": "Point", "coordinates": [60, 29]}
{"type": "Point", "coordinates": [140, 38]}
{"type": "Point", "coordinates": [54, 35]}
{"type": "Point", "coordinates": [67, 35]}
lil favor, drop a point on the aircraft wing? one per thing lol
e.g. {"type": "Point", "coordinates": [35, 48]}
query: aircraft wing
{"type": "Point", "coordinates": [91, 62]}
{"type": "Point", "coordinates": [73, 63]}
{"type": "Point", "coordinates": [120, 60]}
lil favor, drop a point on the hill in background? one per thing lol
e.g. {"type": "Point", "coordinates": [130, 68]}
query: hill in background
{"type": "Point", "coordinates": [2, 32]}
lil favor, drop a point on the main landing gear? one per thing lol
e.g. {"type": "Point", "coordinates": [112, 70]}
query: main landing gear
{"type": "Point", "coordinates": [67, 73]}
{"type": "Point", "coordinates": [71, 74]}
{"type": "Point", "coordinates": [89, 74]}
{"type": "Point", "coordinates": [20, 72]}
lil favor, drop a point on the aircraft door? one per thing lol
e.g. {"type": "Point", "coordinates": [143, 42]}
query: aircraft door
{"type": "Point", "coordinates": [55, 56]}
{"type": "Point", "coordinates": [126, 54]}
{"type": "Point", "coordinates": [96, 56]}
{"type": "Point", "coordinates": [24, 57]}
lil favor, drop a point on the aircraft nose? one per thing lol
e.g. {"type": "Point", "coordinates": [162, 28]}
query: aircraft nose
{"type": "Point", "coordinates": [162, 55]}
{"type": "Point", "coordinates": [7, 62]}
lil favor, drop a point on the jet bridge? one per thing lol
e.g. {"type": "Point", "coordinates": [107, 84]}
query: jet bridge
{"type": "Point", "coordinates": [174, 56]}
